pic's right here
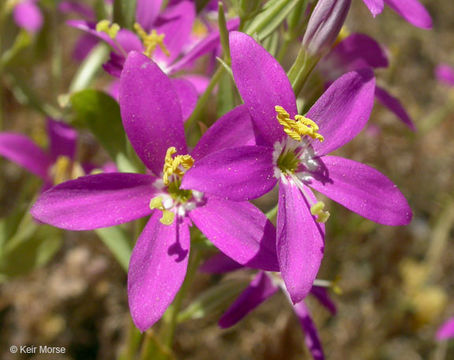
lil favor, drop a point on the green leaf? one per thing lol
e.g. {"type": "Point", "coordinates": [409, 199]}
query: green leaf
{"type": "Point", "coordinates": [214, 300]}
{"type": "Point", "coordinates": [226, 98]}
{"type": "Point", "coordinates": [100, 113]}
{"type": "Point", "coordinates": [89, 68]}
{"type": "Point", "coordinates": [31, 247]}
{"type": "Point", "coordinates": [124, 12]}
{"type": "Point", "coordinates": [116, 239]}
{"type": "Point", "coordinates": [273, 14]}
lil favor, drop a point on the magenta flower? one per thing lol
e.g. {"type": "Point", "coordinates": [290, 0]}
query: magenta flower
{"type": "Point", "coordinates": [411, 10]}
{"type": "Point", "coordinates": [358, 51]}
{"type": "Point", "coordinates": [152, 118]}
{"type": "Point", "coordinates": [27, 15]}
{"type": "Point", "coordinates": [445, 74]}
{"type": "Point", "coordinates": [446, 331]}
{"type": "Point", "coordinates": [262, 287]}
{"type": "Point", "coordinates": [86, 42]}
{"type": "Point", "coordinates": [172, 29]}
{"type": "Point", "coordinates": [293, 153]}
{"type": "Point", "coordinates": [50, 166]}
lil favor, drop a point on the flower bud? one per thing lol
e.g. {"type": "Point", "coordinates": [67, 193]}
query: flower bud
{"type": "Point", "coordinates": [324, 25]}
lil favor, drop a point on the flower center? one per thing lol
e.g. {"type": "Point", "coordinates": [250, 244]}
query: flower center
{"type": "Point", "coordinates": [151, 41]}
{"type": "Point", "coordinates": [298, 127]}
{"type": "Point", "coordinates": [174, 198]}
{"type": "Point", "coordinates": [288, 162]}
{"type": "Point", "coordinates": [65, 169]}
{"type": "Point", "coordinates": [294, 157]}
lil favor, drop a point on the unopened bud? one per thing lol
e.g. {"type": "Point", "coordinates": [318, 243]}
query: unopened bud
{"type": "Point", "coordinates": [324, 25]}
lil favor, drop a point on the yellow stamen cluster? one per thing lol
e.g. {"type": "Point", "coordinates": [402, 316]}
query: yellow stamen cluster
{"type": "Point", "coordinates": [298, 127]}
{"type": "Point", "coordinates": [106, 27]}
{"type": "Point", "coordinates": [65, 169]}
{"type": "Point", "coordinates": [167, 216]}
{"type": "Point", "coordinates": [317, 210]}
{"type": "Point", "coordinates": [151, 41]}
{"type": "Point", "coordinates": [172, 164]}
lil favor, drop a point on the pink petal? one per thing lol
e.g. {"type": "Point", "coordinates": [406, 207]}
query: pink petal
{"type": "Point", "coordinates": [63, 139]}
{"type": "Point", "coordinates": [157, 270]}
{"type": "Point", "coordinates": [151, 111]}
{"type": "Point", "coordinates": [28, 16]}
{"type": "Point", "coordinates": [262, 84]}
{"type": "Point", "coordinates": [322, 295]}
{"type": "Point", "coordinates": [343, 110]}
{"type": "Point", "coordinates": [200, 82]}
{"type": "Point", "coordinates": [412, 11]}
{"type": "Point", "coordinates": [237, 174]}
{"type": "Point", "coordinates": [311, 338]}
{"type": "Point", "coordinates": [146, 12]}
{"type": "Point", "coordinates": [394, 105]}
{"type": "Point", "coordinates": [358, 51]}
{"type": "Point", "coordinates": [300, 241]}
{"type": "Point", "coordinates": [75, 7]}
{"type": "Point", "coordinates": [209, 43]}
{"type": "Point", "coordinates": [446, 331]}
{"type": "Point", "coordinates": [375, 6]}
{"type": "Point", "coordinates": [234, 129]}
{"type": "Point", "coordinates": [259, 290]}
{"type": "Point", "coordinates": [445, 74]}
{"type": "Point", "coordinates": [83, 46]}
{"type": "Point", "coordinates": [22, 151]}
{"type": "Point", "coordinates": [364, 190]}
{"type": "Point", "coordinates": [96, 201]}
{"type": "Point", "coordinates": [239, 230]}
{"type": "Point", "coordinates": [187, 94]}
{"type": "Point", "coordinates": [219, 264]}
{"type": "Point", "coordinates": [176, 23]}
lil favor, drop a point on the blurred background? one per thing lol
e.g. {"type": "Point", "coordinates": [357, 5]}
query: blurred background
{"type": "Point", "coordinates": [396, 282]}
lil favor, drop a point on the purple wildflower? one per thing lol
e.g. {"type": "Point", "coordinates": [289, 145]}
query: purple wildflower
{"type": "Point", "coordinates": [446, 331]}
{"type": "Point", "coordinates": [262, 287]}
{"type": "Point", "coordinates": [293, 154]}
{"type": "Point", "coordinates": [27, 15]}
{"type": "Point", "coordinates": [445, 74]}
{"type": "Point", "coordinates": [324, 25]}
{"type": "Point", "coordinates": [152, 118]}
{"type": "Point", "coordinates": [51, 166]}
{"type": "Point", "coordinates": [411, 10]}
{"type": "Point", "coordinates": [358, 51]}
{"type": "Point", "coordinates": [86, 42]}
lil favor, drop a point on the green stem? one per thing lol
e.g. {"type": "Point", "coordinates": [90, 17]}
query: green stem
{"type": "Point", "coordinates": [56, 62]}
{"type": "Point", "coordinates": [176, 306]}
{"type": "Point", "coordinates": [284, 47]}
{"type": "Point", "coordinates": [190, 124]}
{"type": "Point", "coordinates": [89, 67]}
{"type": "Point", "coordinates": [271, 214]}
{"type": "Point", "coordinates": [301, 69]}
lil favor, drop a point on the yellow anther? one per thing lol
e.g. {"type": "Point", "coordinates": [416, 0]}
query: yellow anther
{"type": "Point", "coordinates": [344, 33]}
{"type": "Point", "coordinates": [65, 169]}
{"type": "Point", "coordinates": [168, 216]}
{"type": "Point", "coordinates": [175, 165]}
{"type": "Point", "coordinates": [317, 210]}
{"type": "Point", "coordinates": [106, 27]}
{"type": "Point", "coordinates": [298, 127]}
{"type": "Point", "coordinates": [199, 29]}
{"type": "Point", "coordinates": [151, 41]}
